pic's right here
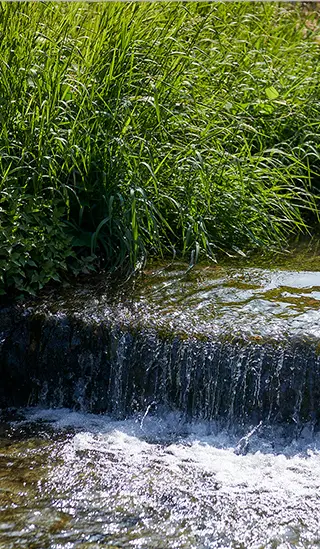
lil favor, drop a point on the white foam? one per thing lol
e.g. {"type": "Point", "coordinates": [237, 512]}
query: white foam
{"type": "Point", "coordinates": [293, 468]}
{"type": "Point", "coordinates": [187, 484]}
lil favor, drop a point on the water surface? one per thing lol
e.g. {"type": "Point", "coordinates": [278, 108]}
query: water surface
{"type": "Point", "coordinates": [79, 481]}
{"type": "Point", "coordinates": [71, 480]}
{"type": "Point", "coordinates": [255, 298]}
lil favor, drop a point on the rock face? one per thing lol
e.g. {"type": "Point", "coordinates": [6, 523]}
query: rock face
{"type": "Point", "coordinates": [107, 352]}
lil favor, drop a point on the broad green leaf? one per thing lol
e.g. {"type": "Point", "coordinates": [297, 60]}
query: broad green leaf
{"type": "Point", "coordinates": [271, 92]}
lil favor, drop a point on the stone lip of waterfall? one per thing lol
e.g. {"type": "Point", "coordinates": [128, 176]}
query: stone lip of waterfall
{"type": "Point", "coordinates": [214, 343]}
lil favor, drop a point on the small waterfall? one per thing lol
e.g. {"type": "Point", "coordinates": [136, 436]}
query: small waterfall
{"type": "Point", "coordinates": [57, 360]}
{"type": "Point", "coordinates": [211, 436]}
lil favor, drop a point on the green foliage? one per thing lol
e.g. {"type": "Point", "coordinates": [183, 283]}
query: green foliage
{"type": "Point", "coordinates": [34, 246]}
{"type": "Point", "coordinates": [153, 127]}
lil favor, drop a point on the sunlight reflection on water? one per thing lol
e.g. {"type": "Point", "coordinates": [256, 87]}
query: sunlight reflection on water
{"type": "Point", "coordinates": [83, 481]}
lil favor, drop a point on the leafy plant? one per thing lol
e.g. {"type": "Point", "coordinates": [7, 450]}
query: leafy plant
{"type": "Point", "coordinates": [34, 247]}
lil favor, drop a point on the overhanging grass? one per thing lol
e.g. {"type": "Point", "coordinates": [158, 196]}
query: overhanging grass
{"type": "Point", "coordinates": [149, 127]}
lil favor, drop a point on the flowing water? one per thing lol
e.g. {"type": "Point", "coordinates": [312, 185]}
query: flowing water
{"type": "Point", "coordinates": [207, 384]}
{"type": "Point", "coordinates": [71, 481]}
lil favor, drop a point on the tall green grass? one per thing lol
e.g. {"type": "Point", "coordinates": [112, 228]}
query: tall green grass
{"type": "Point", "coordinates": [131, 130]}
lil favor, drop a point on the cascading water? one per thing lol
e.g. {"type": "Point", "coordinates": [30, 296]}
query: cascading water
{"type": "Point", "coordinates": [208, 390]}
{"type": "Point", "coordinates": [254, 357]}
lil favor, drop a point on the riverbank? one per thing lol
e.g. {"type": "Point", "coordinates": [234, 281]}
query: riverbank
{"type": "Point", "coordinates": [132, 131]}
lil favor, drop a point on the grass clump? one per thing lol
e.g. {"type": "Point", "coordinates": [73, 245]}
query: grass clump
{"type": "Point", "coordinates": [136, 129]}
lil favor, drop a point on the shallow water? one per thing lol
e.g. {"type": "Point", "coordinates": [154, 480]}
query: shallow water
{"type": "Point", "coordinates": [253, 301]}
{"type": "Point", "coordinates": [206, 301]}
{"type": "Point", "coordinates": [71, 481]}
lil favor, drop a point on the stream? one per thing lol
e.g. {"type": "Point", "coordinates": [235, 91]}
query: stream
{"type": "Point", "coordinates": [180, 409]}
